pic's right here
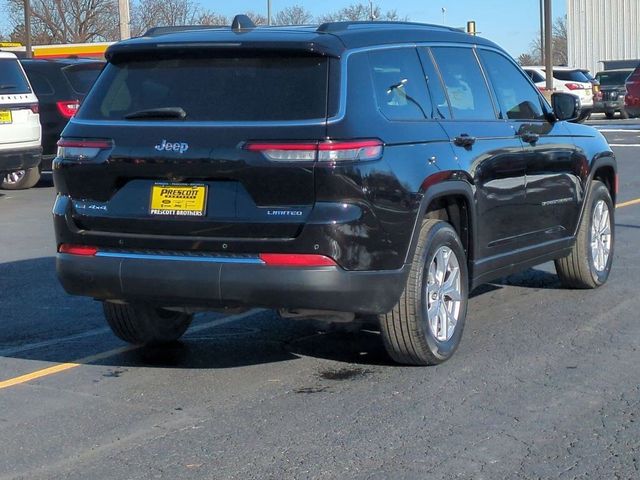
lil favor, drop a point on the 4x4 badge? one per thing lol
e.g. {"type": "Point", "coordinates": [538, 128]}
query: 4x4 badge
{"type": "Point", "coordinates": [179, 147]}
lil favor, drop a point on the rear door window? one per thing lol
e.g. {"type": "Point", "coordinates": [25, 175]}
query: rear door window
{"type": "Point", "coordinates": [81, 77]}
{"type": "Point", "coordinates": [12, 80]}
{"type": "Point", "coordinates": [40, 83]}
{"type": "Point", "coordinates": [210, 88]}
{"type": "Point", "coordinates": [535, 76]}
{"type": "Point", "coordinates": [440, 104]}
{"type": "Point", "coordinates": [399, 84]}
{"type": "Point", "coordinates": [465, 84]}
{"type": "Point", "coordinates": [517, 98]}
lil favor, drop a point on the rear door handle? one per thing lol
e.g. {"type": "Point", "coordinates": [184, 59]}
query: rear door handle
{"type": "Point", "coordinates": [464, 140]}
{"type": "Point", "coordinates": [530, 137]}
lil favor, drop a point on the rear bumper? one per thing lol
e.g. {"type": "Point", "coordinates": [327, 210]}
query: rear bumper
{"type": "Point", "coordinates": [608, 106]}
{"type": "Point", "coordinates": [215, 282]}
{"type": "Point", "coordinates": [20, 159]}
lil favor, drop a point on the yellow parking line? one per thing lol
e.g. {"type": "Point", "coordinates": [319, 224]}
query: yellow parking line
{"type": "Point", "coordinates": [45, 372]}
{"type": "Point", "coordinates": [629, 203]}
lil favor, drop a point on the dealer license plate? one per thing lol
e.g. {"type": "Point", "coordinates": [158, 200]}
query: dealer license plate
{"type": "Point", "coordinates": [180, 199]}
{"type": "Point", "coordinates": [5, 116]}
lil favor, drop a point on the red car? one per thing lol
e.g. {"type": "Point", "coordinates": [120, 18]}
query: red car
{"type": "Point", "coordinates": [632, 98]}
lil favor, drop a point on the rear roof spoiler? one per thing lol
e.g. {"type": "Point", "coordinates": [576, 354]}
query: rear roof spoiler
{"type": "Point", "coordinates": [240, 23]}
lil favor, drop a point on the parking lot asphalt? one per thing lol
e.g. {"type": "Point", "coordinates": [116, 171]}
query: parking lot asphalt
{"type": "Point", "coordinates": [546, 382]}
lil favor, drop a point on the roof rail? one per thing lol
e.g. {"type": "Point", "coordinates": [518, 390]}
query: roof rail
{"type": "Point", "coordinates": [242, 22]}
{"type": "Point", "coordinates": [157, 31]}
{"type": "Point", "coordinates": [330, 27]}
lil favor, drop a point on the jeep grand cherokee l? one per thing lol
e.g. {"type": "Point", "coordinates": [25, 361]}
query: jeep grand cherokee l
{"type": "Point", "coordinates": [354, 168]}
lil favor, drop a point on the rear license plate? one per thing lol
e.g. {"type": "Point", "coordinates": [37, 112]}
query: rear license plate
{"type": "Point", "coordinates": [178, 199]}
{"type": "Point", "coordinates": [5, 116]}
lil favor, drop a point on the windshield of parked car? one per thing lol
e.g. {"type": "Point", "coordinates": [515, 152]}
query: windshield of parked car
{"type": "Point", "coordinates": [212, 88]}
{"type": "Point", "coordinates": [12, 80]}
{"type": "Point", "coordinates": [608, 79]}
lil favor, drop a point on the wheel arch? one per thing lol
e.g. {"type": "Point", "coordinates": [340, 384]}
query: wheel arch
{"type": "Point", "coordinates": [450, 201]}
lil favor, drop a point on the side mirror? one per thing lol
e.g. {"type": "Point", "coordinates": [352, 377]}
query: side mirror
{"type": "Point", "coordinates": [566, 106]}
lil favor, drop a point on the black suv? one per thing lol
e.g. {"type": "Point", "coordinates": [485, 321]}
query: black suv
{"type": "Point", "coordinates": [612, 91]}
{"type": "Point", "coordinates": [60, 85]}
{"type": "Point", "coordinates": [348, 169]}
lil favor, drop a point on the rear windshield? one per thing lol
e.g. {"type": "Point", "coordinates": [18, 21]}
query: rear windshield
{"type": "Point", "coordinates": [213, 88]}
{"type": "Point", "coordinates": [12, 80]}
{"type": "Point", "coordinates": [613, 78]}
{"type": "Point", "coordinates": [81, 77]}
{"type": "Point", "coordinates": [570, 76]}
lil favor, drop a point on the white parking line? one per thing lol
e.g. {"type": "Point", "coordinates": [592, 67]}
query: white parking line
{"type": "Point", "coordinates": [624, 144]}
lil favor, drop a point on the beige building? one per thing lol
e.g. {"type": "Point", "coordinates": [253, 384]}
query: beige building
{"type": "Point", "coordinates": [599, 30]}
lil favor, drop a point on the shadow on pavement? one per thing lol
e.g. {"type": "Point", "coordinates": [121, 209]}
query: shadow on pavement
{"type": "Point", "coordinates": [35, 309]}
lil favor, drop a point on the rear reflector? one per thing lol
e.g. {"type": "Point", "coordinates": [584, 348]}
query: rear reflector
{"type": "Point", "coordinates": [83, 250]}
{"type": "Point", "coordinates": [72, 149]}
{"type": "Point", "coordinates": [68, 108]}
{"type": "Point", "coordinates": [325, 151]}
{"type": "Point", "coordinates": [35, 108]}
{"type": "Point", "coordinates": [296, 260]}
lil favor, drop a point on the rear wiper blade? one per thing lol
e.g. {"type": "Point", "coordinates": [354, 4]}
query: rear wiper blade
{"type": "Point", "coordinates": [160, 113]}
{"type": "Point", "coordinates": [7, 87]}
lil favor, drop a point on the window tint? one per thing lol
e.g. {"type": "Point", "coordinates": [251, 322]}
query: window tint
{"type": "Point", "coordinates": [40, 84]}
{"type": "Point", "coordinates": [613, 78]}
{"type": "Point", "coordinates": [570, 76]}
{"type": "Point", "coordinates": [436, 89]}
{"type": "Point", "coordinates": [535, 76]}
{"type": "Point", "coordinates": [399, 84]}
{"type": "Point", "coordinates": [81, 77]}
{"type": "Point", "coordinates": [213, 88]}
{"type": "Point", "coordinates": [517, 98]}
{"type": "Point", "coordinates": [465, 84]}
{"type": "Point", "coordinates": [12, 80]}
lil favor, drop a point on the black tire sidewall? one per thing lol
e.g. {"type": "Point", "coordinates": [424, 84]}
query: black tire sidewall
{"type": "Point", "coordinates": [442, 235]}
{"type": "Point", "coordinates": [600, 192]}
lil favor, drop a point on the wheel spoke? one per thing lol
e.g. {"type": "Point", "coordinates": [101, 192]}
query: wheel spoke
{"type": "Point", "coordinates": [442, 260]}
{"type": "Point", "coordinates": [443, 316]}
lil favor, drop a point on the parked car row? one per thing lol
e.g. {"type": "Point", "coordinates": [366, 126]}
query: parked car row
{"type": "Point", "coordinates": [37, 98]}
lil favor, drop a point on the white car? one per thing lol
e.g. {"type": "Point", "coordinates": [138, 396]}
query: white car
{"type": "Point", "coordinates": [566, 79]}
{"type": "Point", "coordinates": [20, 131]}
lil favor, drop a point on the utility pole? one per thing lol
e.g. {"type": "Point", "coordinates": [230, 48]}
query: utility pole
{"type": "Point", "coordinates": [371, 10]}
{"type": "Point", "coordinates": [27, 28]}
{"type": "Point", "coordinates": [541, 32]}
{"type": "Point", "coordinates": [125, 20]}
{"type": "Point", "coordinates": [548, 44]}
{"type": "Point", "coordinates": [444, 16]}
{"type": "Point", "coordinates": [268, 12]}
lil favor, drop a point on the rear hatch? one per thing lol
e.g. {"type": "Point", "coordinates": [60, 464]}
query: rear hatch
{"type": "Point", "coordinates": [170, 135]}
{"type": "Point", "coordinates": [19, 123]}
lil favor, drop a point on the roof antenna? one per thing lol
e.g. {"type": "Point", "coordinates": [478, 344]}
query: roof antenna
{"type": "Point", "coordinates": [242, 22]}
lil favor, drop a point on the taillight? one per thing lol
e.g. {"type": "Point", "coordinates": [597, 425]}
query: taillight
{"type": "Point", "coordinates": [82, 250]}
{"type": "Point", "coordinates": [35, 108]}
{"type": "Point", "coordinates": [574, 86]}
{"type": "Point", "coordinates": [72, 149]}
{"type": "Point", "coordinates": [296, 260]}
{"type": "Point", "coordinates": [325, 151]}
{"type": "Point", "coordinates": [68, 108]}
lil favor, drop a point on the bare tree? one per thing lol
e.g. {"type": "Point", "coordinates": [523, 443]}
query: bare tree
{"type": "Point", "coordinates": [163, 13]}
{"type": "Point", "coordinates": [560, 53]}
{"type": "Point", "coordinates": [65, 21]}
{"type": "Point", "coordinates": [210, 18]}
{"type": "Point", "coordinates": [295, 15]}
{"type": "Point", "coordinates": [257, 18]}
{"type": "Point", "coordinates": [527, 60]}
{"type": "Point", "coordinates": [360, 11]}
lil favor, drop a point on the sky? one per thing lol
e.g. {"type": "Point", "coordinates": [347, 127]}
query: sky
{"type": "Point", "coordinates": [512, 24]}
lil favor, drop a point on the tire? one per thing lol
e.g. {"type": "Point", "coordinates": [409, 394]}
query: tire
{"type": "Point", "coordinates": [623, 114]}
{"type": "Point", "coordinates": [609, 115]}
{"type": "Point", "coordinates": [142, 324]}
{"type": "Point", "coordinates": [21, 179]}
{"type": "Point", "coordinates": [580, 269]}
{"type": "Point", "coordinates": [408, 334]}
